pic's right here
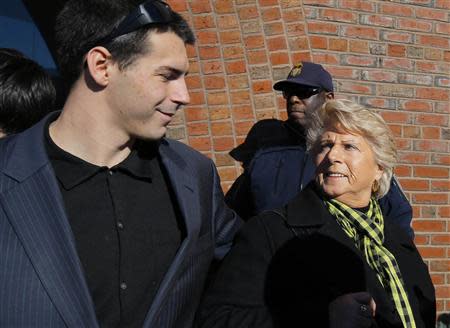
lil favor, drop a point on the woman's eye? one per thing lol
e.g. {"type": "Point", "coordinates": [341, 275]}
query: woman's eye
{"type": "Point", "coordinates": [350, 147]}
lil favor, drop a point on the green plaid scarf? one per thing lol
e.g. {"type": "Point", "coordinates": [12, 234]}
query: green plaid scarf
{"type": "Point", "coordinates": [366, 230]}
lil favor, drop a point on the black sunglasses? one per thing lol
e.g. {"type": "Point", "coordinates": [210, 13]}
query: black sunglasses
{"type": "Point", "coordinates": [301, 93]}
{"type": "Point", "coordinates": [149, 12]}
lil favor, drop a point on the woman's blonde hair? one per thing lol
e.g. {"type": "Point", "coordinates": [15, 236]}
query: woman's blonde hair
{"type": "Point", "coordinates": [356, 119]}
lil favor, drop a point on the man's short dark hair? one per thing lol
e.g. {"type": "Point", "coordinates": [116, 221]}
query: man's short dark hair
{"type": "Point", "coordinates": [82, 24]}
{"type": "Point", "coordinates": [27, 92]}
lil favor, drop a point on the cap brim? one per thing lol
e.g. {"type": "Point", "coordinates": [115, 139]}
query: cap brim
{"type": "Point", "coordinates": [280, 86]}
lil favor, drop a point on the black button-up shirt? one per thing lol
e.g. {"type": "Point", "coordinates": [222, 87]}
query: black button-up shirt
{"type": "Point", "coordinates": [126, 225]}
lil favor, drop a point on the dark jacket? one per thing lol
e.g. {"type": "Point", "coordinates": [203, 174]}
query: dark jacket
{"type": "Point", "coordinates": [42, 279]}
{"type": "Point", "coordinates": [277, 167]}
{"type": "Point", "coordinates": [273, 278]}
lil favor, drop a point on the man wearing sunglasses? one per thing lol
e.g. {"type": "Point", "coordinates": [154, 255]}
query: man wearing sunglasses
{"type": "Point", "coordinates": [104, 222]}
{"type": "Point", "coordinates": [274, 156]}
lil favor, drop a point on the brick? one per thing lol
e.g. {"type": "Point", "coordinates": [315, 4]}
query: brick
{"type": "Point", "coordinates": [359, 46]}
{"type": "Point", "coordinates": [429, 226]}
{"type": "Point", "coordinates": [421, 239]}
{"type": "Point", "coordinates": [323, 28]}
{"type": "Point", "coordinates": [432, 119]}
{"type": "Point", "coordinates": [321, 3]}
{"type": "Point", "coordinates": [415, 184]}
{"type": "Point", "coordinates": [338, 44]}
{"type": "Point", "coordinates": [318, 42]}
{"type": "Point", "coordinates": [443, 28]}
{"type": "Point", "coordinates": [377, 20]}
{"type": "Point", "coordinates": [198, 129]}
{"type": "Point", "coordinates": [199, 6]}
{"type": "Point", "coordinates": [200, 143]}
{"type": "Point", "coordinates": [378, 76]}
{"type": "Point", "coordinates": [360, 5]}
{"type": "Point", "coordinates": [212, 67]}
{"type": "Point", "coordinates": [443, 186]}
{"type": "Point", "coordinates": [203, 22]}
{"type": "Point", "coordinates": [414, 25]}
{"type": "Point", "coordinates": [230, 37]}
{"type": "Point", "coordinates": [438, 279]}
{"type": "Point", "coordinates": [270, 14]}
{"type": "Point", "coordinates": [193, 82]}
{"type": "Point", "coordinates": [357, 60]}
{"type": "Point", "coordinates": [223, 143]}
{"type": "Point", "coordinates": [442, 291]}
{"type": "Point", "coordinates": [226, 22]}
{"type": "Point", "coordinates": [250, 27]}
{"type": "Point", "coordinates": [395, 116]}
{"type": "Point", "coordinates": [195, 114]}
{"type": "Point", "coordinates": [440, 239]}
{"type": "Point", "coordinates": [430, 145]}
{"type": "Point", "coordinates": [444, 4]}
{"type": "Point", "coordinates": [432, 252]}
{"type": "Point", "coordinates": [260, 72]}
{"type": "Point", "coordinates": [178, 6]}
{"type": "Point", "coordinates": [279, 58]}
{"type": "Point", "coordinates": [416, 105]}
{"type": "Point", "coordinates": [418, 79]}
{"type": "Point", "coordinates": [431, 132]}
{"type": "Point", "coordinates": [444, 212]}
{"type": "Point", "coordinates": [248, 12]}
{"type": "Point", "coordinates": [360, 32]}
{"type": "Point", "coordinates": [402, 37]}
{"type": "Point", "coordinates": [242, 112]}
{"type": "Point", "coordinates": [209, 52]}
{"type": "Point", "coordinates": [262, 86]}
{"type": "Point", "coordinates": [197, 98]}
{"type": "Point", "coordinates": [238, 82]}
{"type": "Point", "coordinates": [338, 15]}
{"type": "Point", "coordinates": [254, 41]}
{"type": "Point", "coordinates": [395, 91]}
{"type": "Point", "coordinates": [343, 72]}
{"type": "Point", "coordinates": [356, 87]}
{"type": "Point", "coordinates": [415, 158]}
{"type": "Point", "coordinates": [375, 102]}
{"type": "Point", "coordinates": [433, 54]}
{"type": "Point", "coordinates": [396, 10]}
{"type": "Point", "coordinates": [264, 3]}
{"type": "Point", "coordinates": [276, 43]}
{"type": "Point", "coordinates": [275, 28]}
{"type": "Point", "coordinates": [440, 159]}
{"type": "Point", "coordinates": [397, 63]}
{"type": "Point", "coordinates": [214, 82]}
{"type": "Point", "coordinates": [306, 56]}
{"type": "Point", "coordinates": [257, 57]}
{"type": "Point", "coordinates": [411, 132]}
{"type": "Point", "coordinates": [263, 101]}
{"type": "Point", "coordinates": [217, 98]}
{"type": "Point", "coordinates": [414, 52]}
{"type": "Point", "coordinates": [221, 128]}
{"type": "Point", "coordinates": [431, 172]}
{"type": "Point", "coordinates": [442, 81]}
{"type": "Point", "coordinates": [433, 41]}
{"type": "Point", "coordinates": [223, 6]}
{"type": "Point", "coordinates": [235, 67]}
{"type": "Point", "coordinates": [293, 15]}
{"type": "Point", "coordinates": [233, 52]}
{"type": "Point", "coordinates": [295, 29]}
{"type": "Point", "coordinates": [378, 49]}
{"type": "Point", "coordinates": [403, 144]}
{"type": "Point", "coordinates": [223, 159]}
{"type": "Point", "coordinates": [240, 97]}
{"type": "Point", "coordinates": [298, 43]}
{"type": "Point", "coordinates": [432, 14]}
{"type": "Point", "coordinates": [433, 93]}
{"type": "Point", "coordinates": [242, 128]}
{"type": "Point", "coordinates": [396, 50]}
{"type": "Point", "coordinates": [426, 67]}
{"type": "Point", "coordinates": [219, 113]}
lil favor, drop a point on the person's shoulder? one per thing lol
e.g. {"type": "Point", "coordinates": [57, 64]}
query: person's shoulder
{"type": "Point", "coordinates": [266, 125]}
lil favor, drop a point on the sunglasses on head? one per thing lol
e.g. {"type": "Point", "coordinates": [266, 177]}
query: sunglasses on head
{"type": "Point", "coordinates": [149, 12]}
{"type": "Point", "coordinates": [301, 93]}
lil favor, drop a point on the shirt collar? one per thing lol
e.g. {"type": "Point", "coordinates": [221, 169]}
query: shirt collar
{"type": "Point", "coordinates": [72, 171]}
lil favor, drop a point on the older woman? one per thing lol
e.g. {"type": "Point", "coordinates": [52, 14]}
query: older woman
{"type": "Point", "coordinates": [328, 259]}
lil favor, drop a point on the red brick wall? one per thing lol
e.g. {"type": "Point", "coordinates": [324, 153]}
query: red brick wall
{"type": "Point", "coordinates": [391, 55]}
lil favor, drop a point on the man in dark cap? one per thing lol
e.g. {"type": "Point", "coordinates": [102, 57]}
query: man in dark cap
{"type": "Point", "coordinates": [274, 157]}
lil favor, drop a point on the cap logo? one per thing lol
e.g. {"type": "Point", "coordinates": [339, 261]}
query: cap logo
{"type": "Point", "coordinates": [296, 70]}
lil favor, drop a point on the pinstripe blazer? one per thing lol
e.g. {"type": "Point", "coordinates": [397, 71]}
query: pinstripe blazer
{"type": "Point", "coordinates": [41, 278]}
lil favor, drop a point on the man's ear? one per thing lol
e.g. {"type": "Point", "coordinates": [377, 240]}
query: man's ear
{"type": "Point", "coordinates": [329, 95]}
{"type": "Point", "coordinates": [97, 61]}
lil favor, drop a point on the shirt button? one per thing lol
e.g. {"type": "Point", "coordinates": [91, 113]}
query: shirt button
{"type": "Point", "coordinates": [110, 172]}
{"type": "Point", "coordinates": [123, 285]}
{"type": "Point", "coordinates": [120, 225]}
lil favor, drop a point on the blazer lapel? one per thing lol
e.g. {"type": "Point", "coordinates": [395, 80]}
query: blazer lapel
{"type": "Point", "coordinates": [185, 189]}
{"type": "Point", "coordinates": [35, 209]}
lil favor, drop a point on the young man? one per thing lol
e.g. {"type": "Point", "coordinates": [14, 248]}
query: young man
{"type": "Point", "coordinates": [27, 92]}
{"type": "Point", "coordinates": [103, 221]}
{"type": "Point", "coordinates": [274, 156]}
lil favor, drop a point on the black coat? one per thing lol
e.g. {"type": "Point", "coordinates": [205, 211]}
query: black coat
{"type": "Point", "coordinates": [271, 278]}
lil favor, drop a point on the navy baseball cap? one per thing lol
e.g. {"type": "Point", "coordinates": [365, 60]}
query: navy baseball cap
{"type": "Point", "coordinates": [306, 74]}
